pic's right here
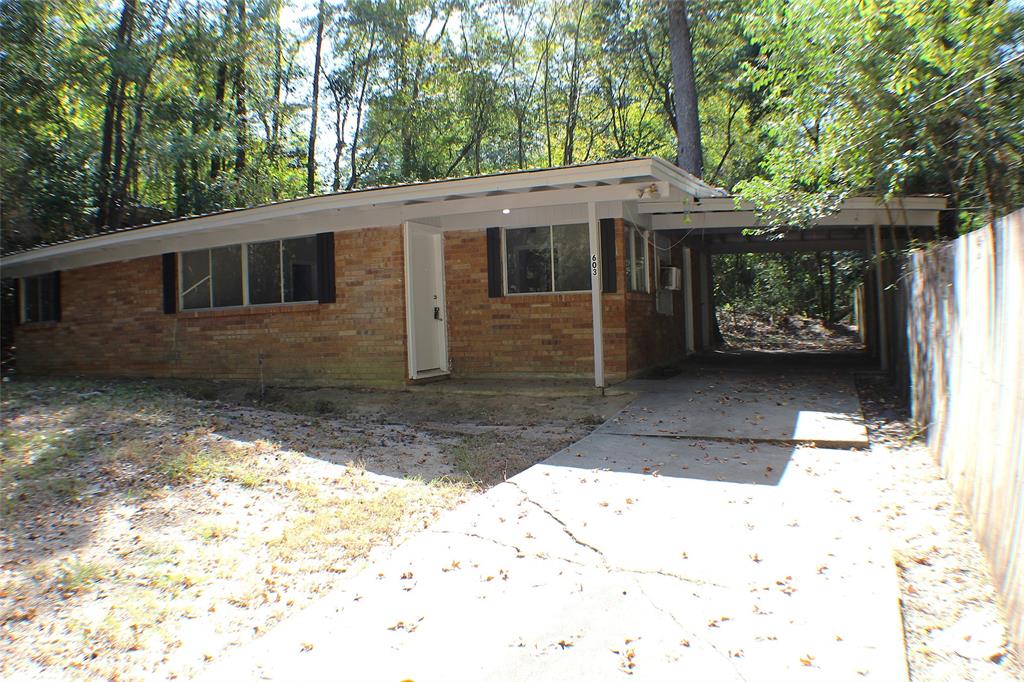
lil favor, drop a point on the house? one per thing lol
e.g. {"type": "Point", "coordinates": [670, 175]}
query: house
{"type": "Point", "coordinates": [600, 270]}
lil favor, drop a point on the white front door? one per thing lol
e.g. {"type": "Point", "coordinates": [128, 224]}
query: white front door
{"type": "Point", "coordinates": [424, 300]}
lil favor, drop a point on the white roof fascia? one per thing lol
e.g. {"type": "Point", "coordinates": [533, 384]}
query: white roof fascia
{"type": "Point", "coordinates": [687, 182]}
{"type": "Point", "coordinates": [606, 181]}
{"type": "Point", "coordinates": [716, 204]}
{"type": "Point", "coordinates": [853, 217]}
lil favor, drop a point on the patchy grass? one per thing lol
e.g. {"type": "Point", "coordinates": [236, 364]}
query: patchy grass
{"type": "Point", "coordinates": [483, 457]}
{"type": "Point", "coordinates": [139, 524]}
{"type": "Point", "coordinates": [144, 531]}
{"type": "Point", "coordinates": [75, 576]}
{"type": "Point", "coordinates": [355, 517]}
{"type": "Point", "coordinates": [492, 456]}
{"type": "Point", "coordinates": [198, 457]}
{"type": "Point", "coordinates": [37, 464]}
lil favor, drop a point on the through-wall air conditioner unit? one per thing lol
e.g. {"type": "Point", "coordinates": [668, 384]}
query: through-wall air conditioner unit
{"type": "Point", "coordinates": [671, 279]}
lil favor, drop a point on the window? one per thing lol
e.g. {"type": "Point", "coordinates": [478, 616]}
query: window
{"type": "Point", "coordinates": [40, 298]}
{"type": "Point", "coordinates": [637, 277]}
{"type": "Point", "coordinates": [546, 259]}
{"type": "Point", "coordinates": [280, 271]}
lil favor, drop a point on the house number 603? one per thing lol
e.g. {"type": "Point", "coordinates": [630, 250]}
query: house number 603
{"type": "Point", "coordinates": [593, 264]}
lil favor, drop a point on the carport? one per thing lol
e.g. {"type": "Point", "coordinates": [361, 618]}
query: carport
{"type": "Point", "coordinates": [725, 225]}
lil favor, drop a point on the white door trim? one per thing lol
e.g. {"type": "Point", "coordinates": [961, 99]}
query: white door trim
{"type": "Point", "coordinates": [410, 322]}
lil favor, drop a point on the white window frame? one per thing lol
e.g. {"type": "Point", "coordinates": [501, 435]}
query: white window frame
{"type": "Point", "coordinates": [551, 245]}
{"type": "Point", "coordinates": [632, 284]}
{"type": "Point", "coordinates": [245, 277]}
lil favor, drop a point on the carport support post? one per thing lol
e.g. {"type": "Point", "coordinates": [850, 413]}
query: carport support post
{"type": "Point", "coordinates": [704, 270]}
{"type": "Point", "coordinates": [596, 282]}
{"type": "Point", "coordinates": [883, 334]}
{"type": "Point", "coordinates": [688, 298]}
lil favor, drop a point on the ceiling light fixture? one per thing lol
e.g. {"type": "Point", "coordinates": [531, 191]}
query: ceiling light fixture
{"type": "Point", "coordinates": [506, 211]}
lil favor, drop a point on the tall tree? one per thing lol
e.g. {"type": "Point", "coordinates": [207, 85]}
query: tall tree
{"type": "Point", "coordinates": [689, 153]}
{"type": "Point", "coordinates": [315, 108]}
{"type": "Point", "coordinates": [113, 113]}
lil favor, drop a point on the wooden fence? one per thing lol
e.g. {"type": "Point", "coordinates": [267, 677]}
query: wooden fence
{"type": "Point", "coordinates": [962, 305]}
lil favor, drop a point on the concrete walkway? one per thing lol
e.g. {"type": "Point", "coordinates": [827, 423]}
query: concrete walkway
{"type": "Point", "coordinates": [660, 547]}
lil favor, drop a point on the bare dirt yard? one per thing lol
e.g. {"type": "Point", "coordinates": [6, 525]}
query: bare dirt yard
{"type": "Point", "coordinates": [791, 333]}
{"type": "Point", "coordinates": [147, 526]}
{"type": "Point", "coordinates": [954, 625]}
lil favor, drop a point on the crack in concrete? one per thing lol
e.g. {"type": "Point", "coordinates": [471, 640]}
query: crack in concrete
{"type": "Point", "coordinates": [604, 559]}
{"type": "Point", "coordinates": [478, 537]}
{"type": "Point", "coordinates": [665, 574]}
{"type": "Point", "coordinates": [560, 522]}
{"type": "Point", "coordinates": [711, 645]}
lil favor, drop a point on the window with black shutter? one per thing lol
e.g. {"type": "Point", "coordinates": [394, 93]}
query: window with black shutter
{"type": "Point", "coordinates": [256, 273]}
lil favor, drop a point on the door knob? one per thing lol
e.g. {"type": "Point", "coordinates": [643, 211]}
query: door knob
{"type": "Point", "coordinates": [437, 313]}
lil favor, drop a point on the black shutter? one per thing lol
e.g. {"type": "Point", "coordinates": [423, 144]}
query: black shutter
{"type": "Point", "coordinates": [494, 286]}
{"type": "Point", "coordinates": [55, 292]}
{"type": "Point", "coordinates": [326, 287]}
{"type": "Point", "coordinates": [170, 274]}
{"type": "Point", "coordinates": [608, 274]}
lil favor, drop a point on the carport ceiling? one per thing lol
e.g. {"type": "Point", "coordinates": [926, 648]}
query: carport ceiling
{"type": "Point", "coordinates": [727, 225]}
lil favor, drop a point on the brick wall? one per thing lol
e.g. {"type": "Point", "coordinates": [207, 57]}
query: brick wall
{"type": "Point", "coordinates": [529, 333]}
{"type": "Point", "coordinates": [654, 338]}
{"type": "Point", "coordinates": [113, 324]}
{"type": "Point", "coordinates": [550, 333]}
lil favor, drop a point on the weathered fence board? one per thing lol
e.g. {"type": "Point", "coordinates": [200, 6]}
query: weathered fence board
{"type": "Point", "coordinates": [964, 318]}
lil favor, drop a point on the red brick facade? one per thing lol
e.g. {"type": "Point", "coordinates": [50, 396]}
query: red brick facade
{"type": "Point", "coordinates": [113, 324]}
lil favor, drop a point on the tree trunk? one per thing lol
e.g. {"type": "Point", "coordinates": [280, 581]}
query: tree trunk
{"type": "Point", "coordinates": [128, 177]}
{"type": "Point", "coordinates": [275, 115]}
{"type": "Point", "coordinates": [115, 90]}
{"type": "Point", "coordinates": [114, 199]}
{"type": "Point", "coordinates": [311, 156]}
{"type": "Point", "coordinates": [689, 155]}
{"type": "Point", "coordinates": [220, 89]}
{"type": "Point", "coordinates": [353, 149]}
{"type": "Point", "coordinates": [547, 108]}
{"type": "Point", "coordinates": [241, 113]}
{"type": "Point", "coordinates": [572, 103]}
{"type": "Point", "coordinates": [339, 145]}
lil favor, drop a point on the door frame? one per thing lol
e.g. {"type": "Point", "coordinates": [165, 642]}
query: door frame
{"type": "Point", "coordinates": [410, 322]}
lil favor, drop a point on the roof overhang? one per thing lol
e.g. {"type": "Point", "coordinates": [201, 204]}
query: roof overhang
{"type": "Point", "coordinates": [731, 214]}
{"type": "Point", "coordinates": [531, 196]}
{"type": "Point", "coordinates": [729, 225]}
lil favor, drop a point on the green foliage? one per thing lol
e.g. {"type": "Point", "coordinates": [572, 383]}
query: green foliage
{"type": "Point", "coordinates": [817, 285]}
{"type": "Point", "coordinates": [197, 105]}
{"type": "Point", "coordinates": [888, 97]}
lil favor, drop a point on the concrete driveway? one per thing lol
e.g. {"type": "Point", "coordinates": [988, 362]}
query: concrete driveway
{"type": "Point", "coordinates": [697, 535]}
